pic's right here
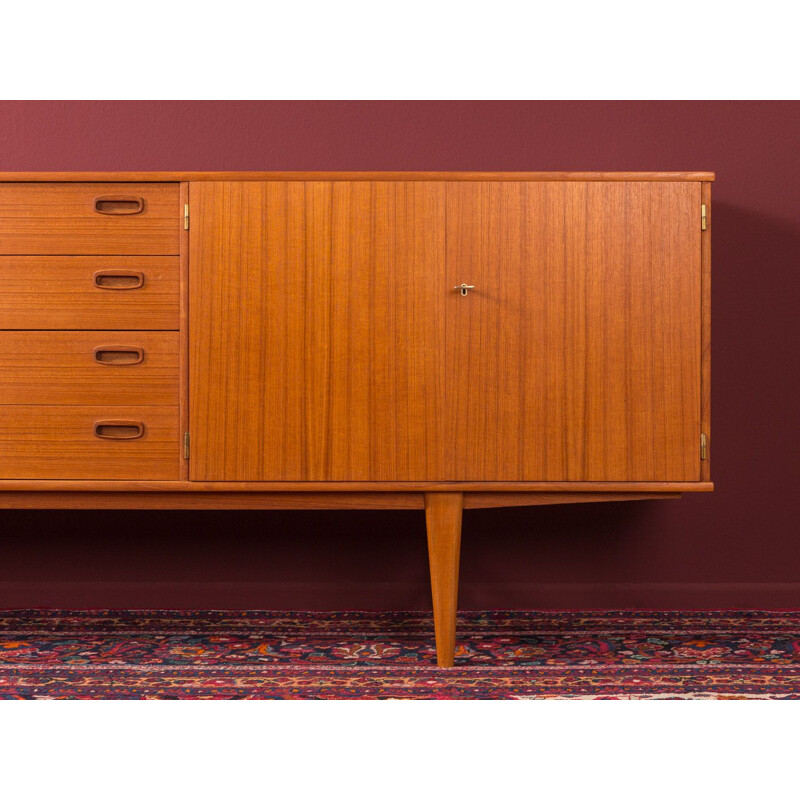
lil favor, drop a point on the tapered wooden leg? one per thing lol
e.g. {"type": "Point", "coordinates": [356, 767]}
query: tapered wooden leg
{"type": "Point", "coordinates": [443, 518]}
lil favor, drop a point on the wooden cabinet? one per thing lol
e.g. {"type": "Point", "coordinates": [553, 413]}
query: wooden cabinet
{"type": "Point", "coordinates": [443, 340]}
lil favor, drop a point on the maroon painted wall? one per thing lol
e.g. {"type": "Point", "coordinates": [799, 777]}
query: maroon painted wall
{"type": "Point", "coordinates": [737, 547]}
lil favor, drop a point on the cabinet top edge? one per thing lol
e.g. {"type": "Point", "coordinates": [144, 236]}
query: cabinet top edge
{"type": "Point", "coordinates": [35, 177]}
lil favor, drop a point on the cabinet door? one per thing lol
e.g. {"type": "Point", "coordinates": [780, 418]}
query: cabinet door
{"type": "Point", "coordinates": [317, 330]}
{"type": "Point", "coordinates": [577, 355]}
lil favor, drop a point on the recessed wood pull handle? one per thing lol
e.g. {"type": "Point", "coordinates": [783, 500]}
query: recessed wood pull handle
{"type": "Point", "coordinates": [118, 279]}
{"type": "Point", "coordinates": [118, 429]}
{"type": "Point", "coordinates": [118, 355]}
{"type": "Point", "coordinates": [118, 204]}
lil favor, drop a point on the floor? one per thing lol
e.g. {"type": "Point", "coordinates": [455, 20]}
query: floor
{"type": "Point", "coordinates": [523, 655]}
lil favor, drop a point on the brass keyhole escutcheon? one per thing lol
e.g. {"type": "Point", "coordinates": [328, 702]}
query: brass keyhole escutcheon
{"type": "Point", "coordinates": [464, 289]}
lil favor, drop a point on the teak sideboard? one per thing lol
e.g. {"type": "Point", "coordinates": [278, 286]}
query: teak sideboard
{"type": "Point", "coordinates": [436, 340]}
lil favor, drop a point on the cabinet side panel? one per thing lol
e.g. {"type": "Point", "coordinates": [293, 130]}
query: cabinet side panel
{"type": "Point", "coordinates": [705, 310]}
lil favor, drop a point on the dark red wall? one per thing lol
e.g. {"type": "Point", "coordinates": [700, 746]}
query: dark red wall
{"type": "Point", "coordinates": [737, 547]}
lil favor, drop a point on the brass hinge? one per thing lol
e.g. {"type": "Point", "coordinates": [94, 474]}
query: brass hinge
{"type": "Point", "coordinates": [703, 217]}
{"type": "Point", "coordinates": [703, 446]}
{"type": "Point", "coordinates": [186, 445]}
{"type": "Point", "coordinates": [186, 217]}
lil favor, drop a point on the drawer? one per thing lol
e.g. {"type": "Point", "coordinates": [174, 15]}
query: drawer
{"type": "Point", "coordinates": [89, 368]}
{"type": "Point", "coordinates": [89, 442]}
{"type": "Point", "coordinates": [89, 292]}
{"type": "Point", "coordinates": [90, 218]}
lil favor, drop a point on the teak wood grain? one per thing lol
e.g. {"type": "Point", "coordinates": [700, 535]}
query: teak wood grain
{"type": "Point", "coordinates": [212, 500]}
{"type": "Point", "coordinates": [503, 499]}
{"type": "Point", "coordinates": [89, 499]}
{"type": "Point", "coordinates": [576, 356]}
{"type": "Point", "coordinates": [62, 368]}
{"type": "Point", "coordinates": [58, 441]}
{"type": "Point", "coordinates": [184, 330]}
{"type": "Point", "coordinates": [61, 292]}
{"type": "Point", "coordinates": [705, 365]}
{"type": "Point", "coordinates": [62, 219]}
{"type": "Point", "coordinates": [317, 339]}
{"type": "Point", "coordinates": [328, 342]}
{"type": "Point", "coordinates": [443, 511]}
{"type": "Point", "coordinates": [356, 176]}
{"type": "Point", "coordinates": [534, 488]}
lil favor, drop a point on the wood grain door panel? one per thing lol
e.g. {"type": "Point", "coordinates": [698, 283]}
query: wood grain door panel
{"type": "Point", "coordinates": [59, 442]}
{"type": "Point", "coordinates": [316, 330]}
{"type": "Point", "coordinates": [89, 368]}
{"type": "Point", "coordinates": [89, 292]}
{"type": "Point", "coordinates": [577, 356]}
{"type": "Point", "coordinates": [328, 342]}
{"type": "Point", "coordinates": [90, 218]}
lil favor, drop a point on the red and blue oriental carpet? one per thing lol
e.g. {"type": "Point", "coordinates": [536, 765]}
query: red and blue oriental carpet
{"type": "Point", "coordinates": [523, 655]}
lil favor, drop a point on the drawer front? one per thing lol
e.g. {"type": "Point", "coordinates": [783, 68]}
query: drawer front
{"type": "Point", "coordinates": [92, 368]}
{"type": "Point", "coordinates": [90, 218]}
{"type": "Point", "coordinates": [89, 442]}
{"type": "Point", "coordinates": [89, 292]}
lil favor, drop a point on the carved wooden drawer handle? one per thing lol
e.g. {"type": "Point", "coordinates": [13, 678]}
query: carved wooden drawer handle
{"type": "Point", "coordinates": [118, 429]}
{"type": "Point", "coordinates": [118, 355]}
{"type": "Point", "coordinates": [118, 279]}
{"type": "Point", "coordinates": [118, 204]}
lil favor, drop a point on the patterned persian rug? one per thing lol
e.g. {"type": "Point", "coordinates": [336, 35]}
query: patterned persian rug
{"type": "Point", "coordinates": [380, 655]}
